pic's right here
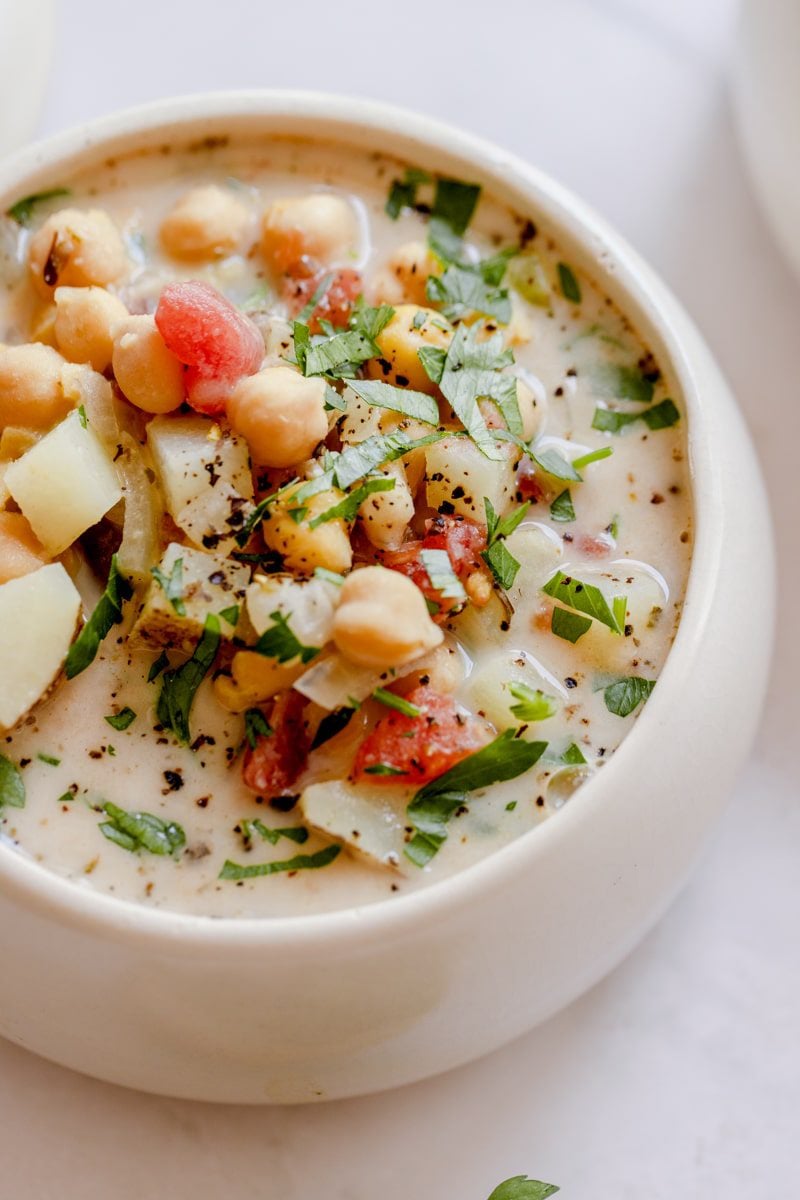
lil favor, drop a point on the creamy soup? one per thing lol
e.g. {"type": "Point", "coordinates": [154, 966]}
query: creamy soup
{"type": "Point", "coordinates": [344, 527]}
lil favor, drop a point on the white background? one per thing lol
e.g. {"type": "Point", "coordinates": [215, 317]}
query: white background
{"type": "Point", "coordinates": [678, 1077]}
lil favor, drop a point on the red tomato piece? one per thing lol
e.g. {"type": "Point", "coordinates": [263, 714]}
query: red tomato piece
{"type": "Point", "coordinates": [336, 303]}
{"type": "Point", "coordinates": [207, 333]}
{"type": "Point", "coordinates": [462, 539]}
{"type": "Point", "coordinates": [273, 766]}
{"type": "Point", "coordinates": [418, 749]}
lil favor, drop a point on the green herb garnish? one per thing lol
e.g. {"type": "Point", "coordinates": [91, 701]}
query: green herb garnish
{"type": "Point", "coordinates": [172, 585]}
{"type": "Point", "coordinates": [562, 508]}
{"type": "Point", "coordinates": [568, 625]}
{"type": "Point", "coordinates": [520, 1187]}
{"type": "Point", "coordinates": [626, 694]}
{"type": "Point", "coordinates": [122, 719]}
{"type": "Point", "coordinates": [441, 574]}
{"type": "Point", "coordinates": [329, 576]}
{"type": "Point", "coordinates": [453, 206]}
{"type": "Point", "coordinates": [160, 664]}
{"type": "Point", "coordinates": [12, 785]}
{"type": "Point", "coordinates": [23, 210]}
{"type": "Point", "coordinates": [256, 725]}
{"type": "Point", "coordinates": [179, 686]}
{"type": "Point", "coordinates": [570, 288]}
{"type": "Point", "coordinates": [231, 615]}
{"type": "Point", "coordinates": [434, 804]}
{"type": "Point", "coordinates": [397, 399]}
{"type": "Point", "coordinates": [585, 598]}
{"type": "Point", "coordinates": [497, 556]}
{"type": "Point", "coordinates": [82, 417]}
{"type": "Point", "coordinates": [135, 831]}
{"type": "Point", "coordinates": [396, 702]}
{"type": "Point", "coordinates": [318, 294]}
{"type": "Point", "coordinates": [585, 460]}
{"type": "Point", "coordinates": [294, 833]}
{"type": "Point", "coordinates": [331, 724]}
{"type": "Point", "coordinates": [462, 289]}
{"type": "Point", "coordinates": [532, 703]}
{"type": "Point", "coordinates": [108, 613]}
{"type": "Point", "coordinates": [383, 769]}
{"type": "Point", "coordinates": [573, 756]}
{"type": "Point", "coordinates": [280, 643]}
{"type": "Point", "coordinates": [347, 509]}
{"type": "Point", "coordinates": [301, 862]}
{"type": "Point", "coordinates": [528, 277]}
{"type": "Point", "coordinates": [49, 759]}
{"type": "Point", "coordinates": [661, 416]}
{"type": "Point", "coordinates": [403, 192]}
{"type": "Point", "coordinates": [623, 383]}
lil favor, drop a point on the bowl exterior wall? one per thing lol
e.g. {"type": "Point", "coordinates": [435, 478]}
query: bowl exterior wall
{"type": "Point", "coordinates": [294, 1011]}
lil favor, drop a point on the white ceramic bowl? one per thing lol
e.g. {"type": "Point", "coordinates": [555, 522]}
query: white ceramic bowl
{"type": "Point", "coordinates": [337, 1004]}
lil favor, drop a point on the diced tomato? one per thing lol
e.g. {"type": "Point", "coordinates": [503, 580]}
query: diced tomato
{"type": "Point", "coordinates": [418, 749]}
{"type": "Point", "coordinates": [336, 303]}
{"type": "Point", "coordinates": [528, 484]}
{"type": "Point", "coordinates": [273, 766]}
{"type": "Point", "coordinates": [462, 539]}
{"type": "Point", "coordinates": [217, 343]}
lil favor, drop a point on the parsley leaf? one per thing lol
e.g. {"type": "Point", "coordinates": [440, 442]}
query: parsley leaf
{"type": "Point", "coordinates": [108, 612]}
{"type": "Point", "coordinates": [403, 192]}
{"type": "Point", "coordinates": [533, 704]}
{"type": "Point", "coordinates": [179, 686]}
{"type": "Point", "coordinates": [502, 564]}
{"type": "Point", "coordinates": [260, 511]}
{"type": "Point", "coordinates": [401, 400]}
{"type": "Point", "coordinates": [622, 383]}
{"type": "Point", "coordinates": [626, 694]}
{"type": "Point", "coordinates": [592, 456]}
{"type": "Point", "coordinates": [584, 598]}
{"type": "Point", "coordinates": [301, 862]}
{"type": "Point", "coordinates": [280, 643]}
{"type": "Point", "coordinates": [135, 831]}
{"type": "Point", "coordinates": [570, 288]}
{"type": "Point", "coordinates": [347, 509]}
{"type": "Point", "coordinates": [562, 508]}
{"type": "Point", "coordinates": [441, 574]}
{"type": "Point", "coordinates": [336, 356]}
{"type": "Point", "coordinates": [453, 206]}
{"type": "Point", "coordinates": [660, 416]}
{"type": "Point", "coordinates": [568, 625]}
{"type": "Point", "coordinates": [355, 462]}
{"type": "Point", "coordinates": [471, 371]}
{"type": "Point", "coordinates": [370, 321]}
{"type": "Point", "coordinates": [294, 833]}
{"type": "Point", "coordinates": [520, 1187]}
{"type": "Point", "coordinates": [50, 759]}
{"type": "Point", "coordinates": [329, 576]}
{"type": "Point", "coordinates": [396, 702]}
{"type": "Point", "coordinates": [553, 463]}
{"type": "Point", "coordinates": [462, 289]}
{"type": "Point", "coordinates": [320, 290]}
{"type": "Point", "coordinates": [23, 210]}
{"type": "Point", "coordinates": [331, 724]}
{"type": "Point", "coordinates": [12, 786]}
{"type": "Point", "coordinates": [121, 720]}
{"type": "Point", "coordinates": [497, 556]}
{"type": "Point", "coordinates": [383, 769]}
{"type": "Point", "coordinates": [160, 664]}
{"type": "Point", "coordinates": [256, 725]}
{"type": "Point", "coordinates": [82, 417]}
{"type": "Point", "coordinates": [572, 756]}
{"type": "Point", "coordinates": [172, 585]}
{"type": "Point", "coordinates": [231, 614]}
{"type": "Point", "coordinates": [434, 804]}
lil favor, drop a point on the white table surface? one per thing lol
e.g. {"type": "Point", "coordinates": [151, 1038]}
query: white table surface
{"type": "Point", "coordinates": [679, 1076]}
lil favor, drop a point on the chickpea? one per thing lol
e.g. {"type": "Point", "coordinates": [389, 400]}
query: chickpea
{"type": "Point", "coordinates": [85, 317]}
{"type": "Point", "coordinates": [385, 516]}
{"type": "Point", "coordinates": [20, 551]}
{"type": "Point", "coordinates": [304, 548]}
{"type": "Point", "coordinates": [382, 620]}
{"type": "Point", "coordinates": [280, 414]}
{"type": "Point", "coordinates": [76, 248]}
{"type": "Point", "coordinates": [206, 223]}
{"type": "Point", "coordinates": [253, 679]}
{"type": "Point", "coordinates": [404, 278]}
{"type": "Point", "coordinates": [399, 343]}
{"type": "Point", "coordinates": [321, 226]}
{"type": "Point", "coordinates": [31, 394]}
{"type": "Point", "coordinates": [149, 374]}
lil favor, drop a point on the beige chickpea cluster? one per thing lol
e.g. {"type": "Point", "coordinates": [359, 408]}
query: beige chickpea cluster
{"type": "Point", "coordinates": [204, 224]}
{"type": "Point", "coordinates": [382, 620]}
{"type": "Point", "coordinates": [76, 248]}
{"type": "Point", "coordinates": [323, 227]}
{"type": "Point", "coordinates": [281, 415]}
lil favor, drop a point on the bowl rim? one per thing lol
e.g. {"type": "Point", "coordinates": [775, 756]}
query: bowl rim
{"type": "Point", "coordinates": [345, 119]}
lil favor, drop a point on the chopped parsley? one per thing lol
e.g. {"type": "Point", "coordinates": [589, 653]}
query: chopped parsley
{"type": "Point", "coordinates": [521, 1187]}
{"type": "Point", "coordinates": [586, 598]}
{"type": "Point", "coordinates": [397, 399]}
{"type": "Point", "coordinates": [434, 804]}
{"type": "Point", "coordinates": [179, 686]}
{"type": "Point", "coordinates": [396, 702]}
{"type": "Point", "coordinates": [573, 756]}
{"type": "Point", "coordinates": [532, 703]}
{"type": "Point", "coordinates": [562, 508]}
{"type": "Point", "coordinates": [403, 192]}
{"type": "Point", "coordinates": [463, 289]}
{"type": "Point", "coordinates": [12, 785]}
{"type": "Point", "coordinates": [294, 833]}
{"type": "Point", "coordinates": [347, 508]}
{"type": "Point", "coordinates": [570, 288]}
{"type": "Point", "coordinates": [23, 210]}
{"type": "Point", "coordinates": [568, 625]}
{"type": "Point", "coordinates": [280, 643]}
{"type": "Point", "coordinates": [626, 694]}
{"type": "Point", "coordinates": [121, 720]}
{"type": "Point", "coordinates": [231, 615]}
{"type": "Point", "coordinates": [108, 613]}
{"type": "Point", "coordinates": [497, 556]}
{"type": "Point", "coordinates": [160, 664]}
{"type": "Point", "coordinates": [82, 417]}
{"type": "Point", "coordinates": [256, 725]}
{"type": "Point", "coordinates": [301, 862]}
{"type": "Point", "coordinates": [135, 831]}
{"type": "Point", "coordinates": [332, 724]}
{"type": "Point", "coordinates": [622, 383]}
{"type": "Point", "coordinates": [454, 203]}
{"type": "Point", "coordinates": [338, 354]}
{"type": "Point", "coordinates": [329, 576]}
{"type": "Point", "coordinates": [384, 769]}
{"type": "Point", "coordinates": [308, 311]}
{"type": "Point", "coordinates": [660, 416]}
{"type": "Point", "coordinates": [172, 585]}
{"type": "Point", "coordinates": [441, 574]}
{"type": "Point", "coordinates": [49, 759]}
{"type": "Point", "coordinates": [585, 460]}
{"type": "Point", "coordinates": [553, 463]}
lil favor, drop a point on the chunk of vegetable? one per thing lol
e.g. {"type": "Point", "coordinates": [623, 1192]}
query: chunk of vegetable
{"type": "Point", "coordinates": [64, 484]}
{"type": "Point", "coordinates": [488, 689]}
{"type": "Point", "coordinates": [308, 605]}
{"type": "Point", "coordinates": [39, 616]}
{"type": "Point", "coordinates": [202, 585]}
{"type": "Point", "coordinates": [301, 547]}
{"type": "Point", "coordinates": [459, 478]}
{"type": "Point", "coordinates": [369, 820]}
{"type": "Point", "coordinates": [274, 764]}
{"type": "Point", "coordinates": [400, 342]}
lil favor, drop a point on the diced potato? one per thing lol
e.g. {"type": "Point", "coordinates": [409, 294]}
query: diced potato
{"type": "Point", "coordinates": [143, 511]}
{"type": "Point", "coordinates": [204, 472]}
{"type": "Point", "coordinates": [458, 477]}
{"type": "Point", "coordinates": [307, 605]}
{"type": "Point", "coordinates": [369, 820]}
{"type": "Point", "coordinates": [361, 420]}
{"type": "Point", "coordinates": [646, 594]}
{"type": "Point", "coordinates": [487, 689]}
{"type": "Point", "coordinates": [83, 386]}
{"type": "Point", "coordinates": [385, 516]}
{"type": "Point", "coordinates": [539, 551]}
{"type": "Point", "coordinates": [208, 585]}
{"type": "Point", "coordinates": [64, 484]}
{"type": "Point", "coordinates": [39, 615]}
{"type": "Point", "coordinates": [334, 681]}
